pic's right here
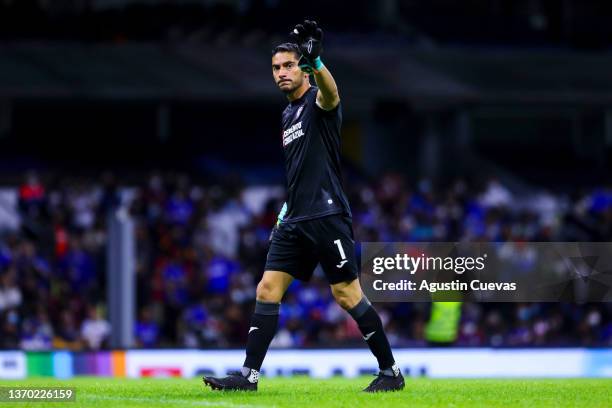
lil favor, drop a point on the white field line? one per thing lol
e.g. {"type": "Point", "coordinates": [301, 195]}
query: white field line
{"type": "Point", "coordinates": [202, 403]}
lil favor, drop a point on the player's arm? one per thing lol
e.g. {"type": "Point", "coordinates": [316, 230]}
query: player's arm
{"type": "Point", "coordinates": [308, 37]}
{"type": "Point", "coordinates": [327, 96]}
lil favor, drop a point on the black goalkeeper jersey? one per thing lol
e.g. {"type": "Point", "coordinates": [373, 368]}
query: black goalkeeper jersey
{"type": "Point", "coordinates": [311, 141]}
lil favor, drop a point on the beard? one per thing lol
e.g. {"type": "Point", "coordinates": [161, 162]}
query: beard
{"type": "Point", "coordinates": [293, 85]}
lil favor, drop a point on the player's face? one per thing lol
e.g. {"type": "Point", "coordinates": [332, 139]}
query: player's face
{"type": "Point", "coordinates": [287, 75]}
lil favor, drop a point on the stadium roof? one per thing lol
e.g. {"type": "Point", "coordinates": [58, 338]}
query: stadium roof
{"type": "Point", "coordinates": [159, 71]}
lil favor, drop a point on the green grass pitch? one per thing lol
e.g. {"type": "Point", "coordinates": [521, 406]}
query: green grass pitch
{"type": "Point", "coordinates": [335, 392]}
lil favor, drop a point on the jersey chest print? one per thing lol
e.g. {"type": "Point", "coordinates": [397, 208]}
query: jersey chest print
{"type": "Point", "coordinates": [296, 130]}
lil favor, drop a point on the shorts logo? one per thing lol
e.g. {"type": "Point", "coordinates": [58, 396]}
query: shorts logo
{"type": "Point", "coordinates": [341, 264]}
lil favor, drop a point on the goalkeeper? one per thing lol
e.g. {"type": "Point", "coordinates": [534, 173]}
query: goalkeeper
{"type": "Point", "coordinates": [315, 224]}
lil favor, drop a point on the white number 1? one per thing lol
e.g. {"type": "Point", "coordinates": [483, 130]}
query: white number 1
{"type": "Point", "coordinates": [340, 249]}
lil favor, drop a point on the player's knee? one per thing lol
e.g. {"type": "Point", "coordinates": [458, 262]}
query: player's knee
{"type": "Point", "coordinates": [267, 291]}
{"type": "Point", "coordinates": [344, 302]}
{"type": "Point", "coordinates": [346, 299]}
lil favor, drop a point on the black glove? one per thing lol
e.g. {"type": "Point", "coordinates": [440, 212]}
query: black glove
{"type": "Point", "coordinates": [308, 37]}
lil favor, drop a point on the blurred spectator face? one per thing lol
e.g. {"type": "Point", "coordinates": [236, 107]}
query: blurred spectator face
{"type": "Point", "coordinates": [156, 183]}
{"type": "Point", "coordinates": [92, 313]}
{"type": "Point", "coordinates": [95, 329]}
{"type": "Point", "coordinates": [147, 331]}
{"type": "Point", "coordinates": [29, 250]}
{"type": "Point", "coordinates": [287, 75]}
{"type": "Point", "coordinates": [179, 208]}
{"type": "Point", "coordinates": [31, 190]}
{"type": "Point", "coordinates": [10, 294]}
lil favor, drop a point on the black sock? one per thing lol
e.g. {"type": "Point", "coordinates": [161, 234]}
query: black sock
{"type": "Point", "coordinates": [371, 327]}
{"type": "Point", "coordinates": [263, 328]}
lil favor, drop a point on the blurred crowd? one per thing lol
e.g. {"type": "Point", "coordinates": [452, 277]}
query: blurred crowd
{"type": "Point", "coordinates": [201, 250]}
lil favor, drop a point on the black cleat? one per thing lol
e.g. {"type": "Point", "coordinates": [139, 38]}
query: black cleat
{"type": "Point", "coordinates": [385, 383]}
{"type": "Point", "coordinates": [233, 382]}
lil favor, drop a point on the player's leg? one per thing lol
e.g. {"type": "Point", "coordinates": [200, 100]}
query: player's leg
{"type": "Point", "coordinates": [350, 297]}
{"type": "Point", "coordinates": [336, 250]}
{"type": "Point", "coordinates": [264, 321]}
{"type": "Point", "coordinates": [291, 255]}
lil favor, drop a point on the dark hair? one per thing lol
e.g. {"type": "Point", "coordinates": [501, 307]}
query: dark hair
{"type": "Point", "coordinates": [287, 47]}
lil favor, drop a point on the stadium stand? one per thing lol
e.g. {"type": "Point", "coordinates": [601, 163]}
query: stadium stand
{"type": "Point", "coordinates": [196, 271]}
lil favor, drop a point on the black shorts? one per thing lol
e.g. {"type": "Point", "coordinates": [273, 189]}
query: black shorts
{"type": "Point", "coordinates": [297, 247]}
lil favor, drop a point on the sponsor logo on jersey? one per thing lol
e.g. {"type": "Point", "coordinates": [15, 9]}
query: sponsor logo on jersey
{"type": "Point", "coordinates": [294, 132]}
